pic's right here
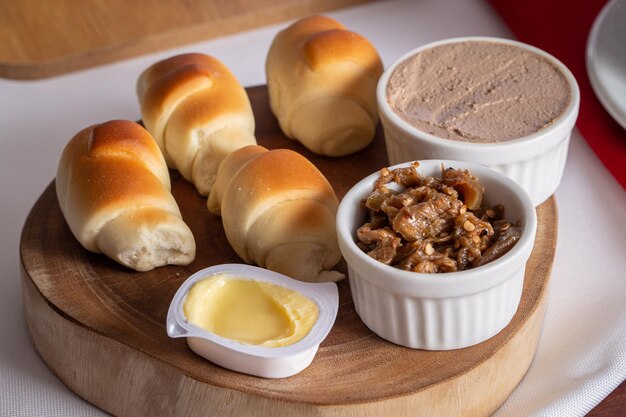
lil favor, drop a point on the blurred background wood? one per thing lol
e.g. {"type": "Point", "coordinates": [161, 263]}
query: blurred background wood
{"type": "Point", "coordinates": [40, 39]}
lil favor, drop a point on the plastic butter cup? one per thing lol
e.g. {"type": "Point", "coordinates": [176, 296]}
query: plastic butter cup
{"type": "Point", "coordinates": [440, 311]}
{"type": "Point", "coordinates": [536, 161]}
{"type": "Point", "coordinates": [267, 362]}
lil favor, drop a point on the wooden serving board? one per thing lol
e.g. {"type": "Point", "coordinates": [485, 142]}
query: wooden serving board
{"type": "Point", "coordinates": [45, 38]}
{"type": "Point", "coordinates": [101, 327]}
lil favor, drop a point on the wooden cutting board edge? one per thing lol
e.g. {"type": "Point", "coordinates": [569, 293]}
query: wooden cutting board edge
{"type": "Point", "coordinates": [195, 395]}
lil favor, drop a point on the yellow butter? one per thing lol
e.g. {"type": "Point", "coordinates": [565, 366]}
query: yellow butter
{"type": "Point", "coordinates": [248, 311]}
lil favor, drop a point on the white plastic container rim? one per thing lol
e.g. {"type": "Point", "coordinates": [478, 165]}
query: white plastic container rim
{"type": "Point", "coordinates": [325, 295]}
{"type": "Point", "coordinates": [449, 284]}
{"type": "Point", "coordinates": [508, 151]}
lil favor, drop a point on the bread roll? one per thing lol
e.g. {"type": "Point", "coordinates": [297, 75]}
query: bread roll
{"type": "Point", "coordinates": [322, 85]}
{"type": "Point", "coordinates": [197, 112]}
{"type": "Point", "coordinates": [227, 169]}
{"type": "Point", "coordinates": [113, 188]}
{"type": "Point", "coordinates": [279, 211]}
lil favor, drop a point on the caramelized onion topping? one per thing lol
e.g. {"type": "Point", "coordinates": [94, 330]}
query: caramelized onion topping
{"type": "Point", "coordinates": [434, 224]}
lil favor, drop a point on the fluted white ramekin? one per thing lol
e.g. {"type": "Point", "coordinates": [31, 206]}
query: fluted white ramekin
{"type": "Point", "coordinates": [446, 310]}
{"type": "Point", "coordinates": [536, 162]}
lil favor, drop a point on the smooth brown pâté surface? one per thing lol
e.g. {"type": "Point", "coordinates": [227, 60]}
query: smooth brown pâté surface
{"type": "Point", "coordinates": [101, 327]}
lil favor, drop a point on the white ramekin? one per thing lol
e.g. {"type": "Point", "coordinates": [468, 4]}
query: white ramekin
{"type": "Point", "coordinates": [438, 311]}
{"type": "Point", "coordinates": [536, 162]}
{"type": "Point", "coordinates": [266, 362]}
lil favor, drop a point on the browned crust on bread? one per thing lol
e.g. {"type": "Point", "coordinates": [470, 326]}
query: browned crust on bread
{"type": "Point", "coordinates": [163, 69]}
{"type": "Point", "coordinates": [197, 112]}
{"type": "Point", "coordinates": [108, 176]}
{"type": "Point", "coordinates": [282, 170]}
{"type": "Point", "coordinates": [210, 104]}
{"type": "Point", "coordinates": [172, 86]}
{"type": "Point", "coordinates": [199, 86]}
{"type": "Point", "coordinates": [128, 143]}
{"type": "Point", "coordinates": [324, 41]}
{"type": "Point", "coordinates": [322, 82]}
{"type": "Point", "coordinates": [227, 170]}
{"type": "Point", "coordinates": [336, 46]}
{"type": "Point", "coordinates": [311, 24]}
{"type": "Point", "coordinates": [116, 163]}
{"type": "Point", "coordinates": [103, 183]}
{"type": "Point", "coordinates": [279, 211]}
{"type": "Point", "coordinates": [120, 137]}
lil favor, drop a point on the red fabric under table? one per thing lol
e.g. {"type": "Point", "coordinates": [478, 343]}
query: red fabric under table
{"type": "Point", "coordinates": [561, 28]}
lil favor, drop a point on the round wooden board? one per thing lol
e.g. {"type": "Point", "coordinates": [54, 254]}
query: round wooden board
{"type": "Point", "coordinates": [101, 327]}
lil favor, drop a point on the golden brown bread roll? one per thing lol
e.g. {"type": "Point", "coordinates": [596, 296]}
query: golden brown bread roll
{"type": "Point", "coordinates": [197, 112]}
{"type": "Point", "coordinates": [322, 85]}
{"type": "Point", "coordinates": [113, 188]}
{"type": "Point", "coordinates": [279, 211]}
{"type": "Point", "coordinates": [227, 169]}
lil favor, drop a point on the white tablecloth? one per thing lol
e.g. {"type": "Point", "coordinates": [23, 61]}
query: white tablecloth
{"type": "Point", "coordinates": [582, 351]}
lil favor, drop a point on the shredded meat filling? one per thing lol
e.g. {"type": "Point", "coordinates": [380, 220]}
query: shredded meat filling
{"type": "Point", "coordinates": [433, 224]}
